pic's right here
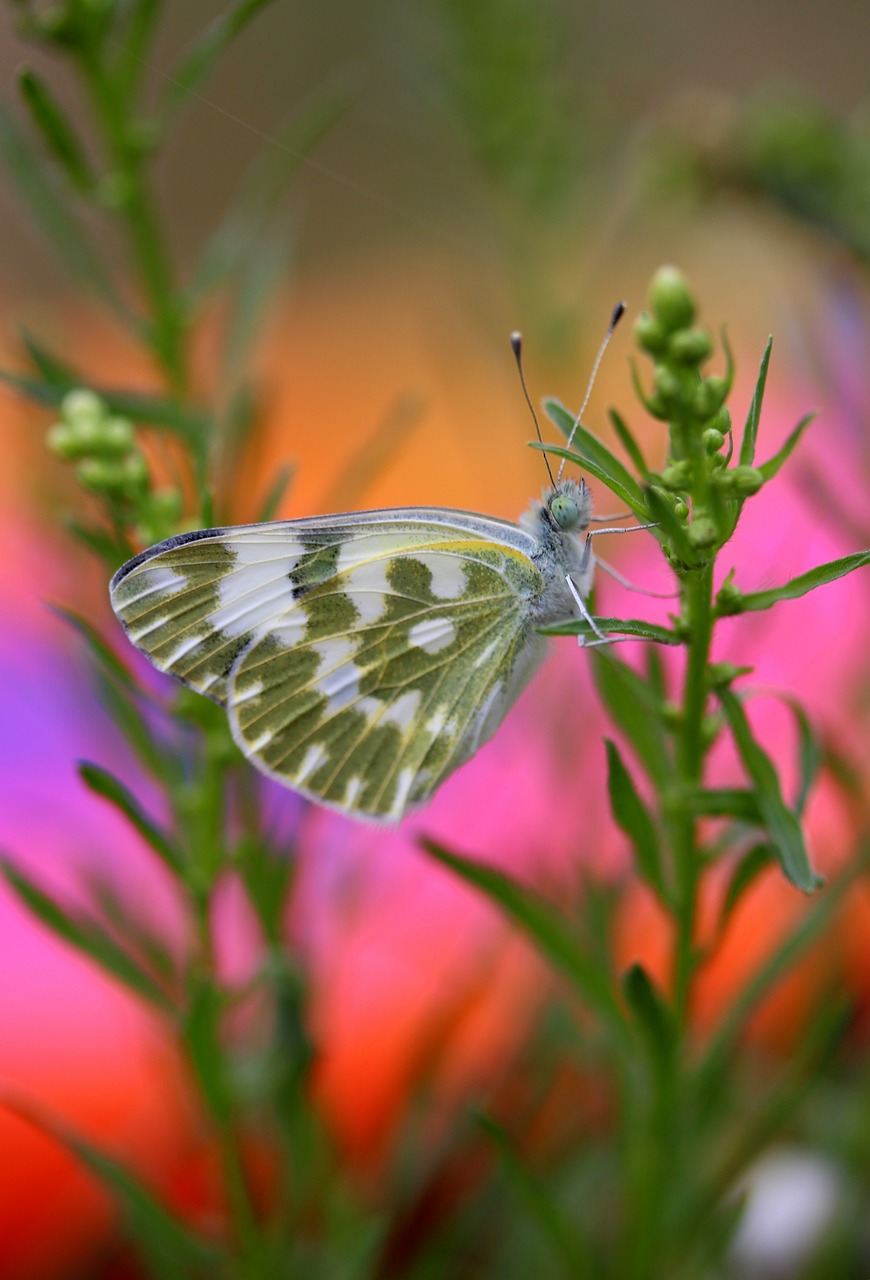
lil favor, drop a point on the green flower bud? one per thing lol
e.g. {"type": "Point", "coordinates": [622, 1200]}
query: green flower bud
{"type": "Point", "coordinates": [703, 532]}
{"type": "Point", "coordinates": [690, 346]}
{"type": "Point", "coordinates": [649, 334]}
{"type": "Point", "coordinates": [116, 437]}
{"type": "Point", "coordinates": [716, 389]}
{"type": "Point", "coordinates": [681, 509]}
{"type": "Point", "coordinates": [721, 674]}
{"type": "Point", "coordinates": [82, 406]}
{"type": "Point", "coordinates": [745, 481]}
{"type": "Point", "coordinates": [668, 384]}
{"type": "Point", "coordinates": [100, 476]}
{"type": "Point", "coordinates": [61, 440]}
{"type": "Point", "coordinates": [721, 420]}
{"type": "Point", "coordinates": [670, 300]}
{"type": "Point", "coordinates": [134, 471]}
{"type": "Point", "coordinates": [728, 599]}
{"type": "Point", "coordinates": [676, 477]}
{"type": "Point", "coordinates": [713, 440]}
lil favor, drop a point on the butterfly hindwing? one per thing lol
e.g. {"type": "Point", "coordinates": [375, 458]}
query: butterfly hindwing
{"type": "Point", "coordinates": [361, 659]}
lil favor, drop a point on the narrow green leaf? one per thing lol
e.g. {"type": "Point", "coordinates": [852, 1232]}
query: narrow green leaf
{"type": "Point", "coordinates": [636, 627]}
{"type": "Point", "coordinates": [591, 450]}
{"type": "Point", "coordinates": [105, 784]}
{"type": "Point", "coordinates": [124, 707]}
{"type": "Point", "coordinates": [374, 455]}
{"type": "Point", "coordinates": [769, 469]}
{"type": "Point", "coordinates": [172, 1250]}
{"type": "Point", "coordinates": [750, 430]}
{"type": "Point", "coordinates": [104, 656]}
{"type": "Point", "coordinates": [652, 1014]}
{"type": "Point", "coordinates": [634, 818]}
{"type": "Point", "coordinates": [104, 546]}
{"type": "Point", "coordinates": [248, 216]}
{"type": "Point", "coordinates": [628, 442]}
{"type": "Point", "coordinates": [276, 493]}
{"type": "Point", "coordinates": [53, 122]}
{"type": "Point", "coordinates": [726, 802]}
{"type": "Point", "coordinates": [636, 709]}
{"type": "Point", "coordinates": [812, 926]}
{"type": "Point", "coordinates": [538, 1201]}
{"type": "Point", "coordinates": [188, 424]}
{"type": "Point", "coordinates": [780, 822]}
{"type": "Point", "coordinates": [804, 583]}
{"type": "Point", "coordinates": [198, 62]}
{"type": "Point", "coordinates": [745, 873]}
{"type": "Point", "coordinates": [201, 1029]}
{"type": "Point", "coordinates": [541, 921]}
{"type": "Point", "coordinates": [255, 289]}
{"type": "Point", "coordinates": [662, 512]}
{"type": "Point", "coordinates": [51, 212]}
{"type": "Point", "coordinates": [49, 367]}
{"type": "Point", "coordinates": [85, 935]}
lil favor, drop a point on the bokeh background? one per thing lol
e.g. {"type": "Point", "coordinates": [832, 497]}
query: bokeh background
{"type": "Point", "coordinates": [512, 164]}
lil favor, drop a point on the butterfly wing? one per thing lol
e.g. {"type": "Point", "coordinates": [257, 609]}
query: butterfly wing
{"type": "Point", "coordinates": [361, 658]}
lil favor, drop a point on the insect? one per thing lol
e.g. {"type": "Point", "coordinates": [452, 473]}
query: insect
{"type": "Point", "coordinates": [363, 657]}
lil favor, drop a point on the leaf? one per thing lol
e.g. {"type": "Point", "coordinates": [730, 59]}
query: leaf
{"type": "Point", "coordinates": [769, 469]}
{"type": "Point", "coordinates": [197, 63]}
{"type": "Point", "coordinates": [256, 285]}
{"type": "Point", "coordinates": [188, 424]}
{"type": "Point", "coordinates": [595, 456]}
{"type": "Point", "coordinates": [105, 784]}
{"type": "Point", "coordinates": [750, 430]}
{"type": "Point", "coordinates": [170, 1248]}
{"type": "Point", "coordinates": [804, 583]}
{"type": "Point", "coordinates": [53, 122]}
{"type": "Point", "coordinates": [779, 821]}
{"type": "Point", "coordinates": [48, 366]}
{"type": "Point", "coordinates": [629, 444]}
{"type": "Point", "coordinates": [104, 656]}
{"type": "Point", "coordinates": [637, 627]}
{"type": "Point", "coordinates": [726, 802]}
{"type": "Point", "coordinates": [541, 1206]}
{"type": "Point", "coordinates": [548, 929]}
{"type": "Point", "coordinates": [247, 218]}
{"type": "Point", "coordinates": [662, 512]}
{"type": "Point", "coordinates": [85, 935]}
{"type": "Point", "coordinates": [202, 1035]}
{"type": "Point", "coordinates": [634, 818]}
{"type": "Point", "coordinates": [746, 872]}
{"type": "Point", "coordinates": [636, 709]}
{"type": "Point", "coordinates": [276, 492]}
{"type": "Point", "coordinates": [374, 455]}
{"type": "Point", "coordinates": [651, 1013]}
{"type": "Point", "coordinates": [51, 212]}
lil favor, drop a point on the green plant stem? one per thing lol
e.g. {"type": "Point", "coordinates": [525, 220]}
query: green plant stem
{"type": "Point", "coordinates": [147, 242]}
{"type": "Point", "coordinates": [691, 749]}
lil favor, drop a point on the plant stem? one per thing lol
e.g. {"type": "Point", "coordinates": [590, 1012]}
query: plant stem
{"type": "Point", "coordinates": [691, 750]}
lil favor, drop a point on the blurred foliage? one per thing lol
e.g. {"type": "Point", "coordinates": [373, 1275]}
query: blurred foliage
{"type": "Point", "coordinates": [652, 1189]}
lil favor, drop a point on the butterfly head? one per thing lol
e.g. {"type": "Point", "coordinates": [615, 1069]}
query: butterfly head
{"type": "Point", "coordinates": [567, 506]}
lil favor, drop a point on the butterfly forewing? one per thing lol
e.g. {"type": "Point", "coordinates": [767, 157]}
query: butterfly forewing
{"type": "Point", "coordinates": [361, 660]}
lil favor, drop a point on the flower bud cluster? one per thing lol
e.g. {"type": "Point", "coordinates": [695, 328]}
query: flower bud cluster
{"type": "Point", "coordinates": [110, 464]}
{"type": "Point", "coordinates": [697, 480]}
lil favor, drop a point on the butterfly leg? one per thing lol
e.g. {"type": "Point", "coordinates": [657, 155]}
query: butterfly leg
{"type": "Point", "coordinates": [585, 615]}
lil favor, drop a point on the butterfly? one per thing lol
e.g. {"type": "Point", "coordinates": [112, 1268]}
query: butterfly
{"type": "Point", "coordinates": [362, 658]}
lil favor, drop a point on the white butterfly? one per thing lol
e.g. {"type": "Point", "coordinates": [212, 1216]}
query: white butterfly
{"type": "Point", "coordinates": [362, 658]}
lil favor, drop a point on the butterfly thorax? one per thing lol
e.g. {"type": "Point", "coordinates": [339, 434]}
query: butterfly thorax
{"type": "Point", "coordinates": [558, 523]}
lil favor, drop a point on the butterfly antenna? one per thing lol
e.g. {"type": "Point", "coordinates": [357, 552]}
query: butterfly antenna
{"type": "Point", "coordinates": [517, 347]}
{"type": "Point", "coordinates": [618, 312]}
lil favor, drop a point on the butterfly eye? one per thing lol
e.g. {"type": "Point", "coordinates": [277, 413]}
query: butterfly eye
{"type": "Point", "coordinates": [565, 511]}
